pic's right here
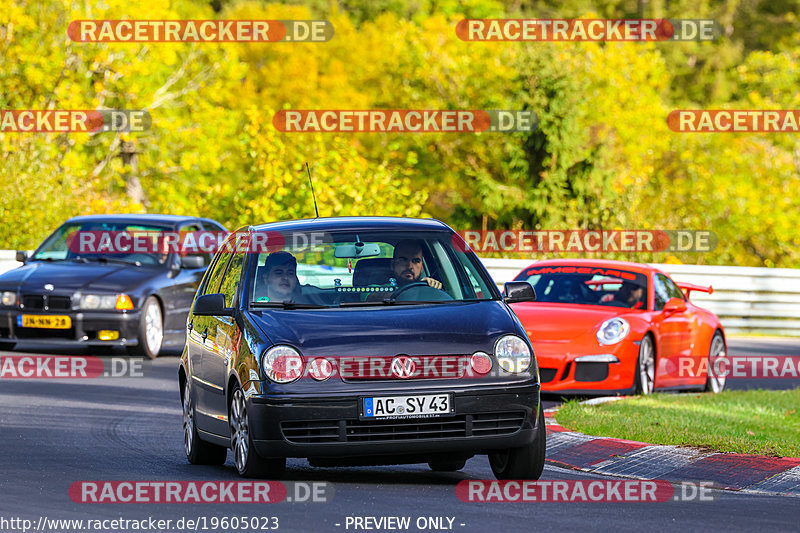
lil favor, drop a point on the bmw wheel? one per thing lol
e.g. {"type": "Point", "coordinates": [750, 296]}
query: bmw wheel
{"type": "Point", "coordinates": [198, 451]}
{"type": "Point", "coordinates": [644, 381]}
{"type": "Point", "coordinates": [151, 330]}
{"type": "Point", "coordinates": [248, 462]}
{"type": "Point", "coordinates": [716, 382]}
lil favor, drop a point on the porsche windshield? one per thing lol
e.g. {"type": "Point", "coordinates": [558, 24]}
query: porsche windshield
{"type": "Point", "coordinates": [587, 286]}
{"type": "Point", "coordinates": [368, 268]}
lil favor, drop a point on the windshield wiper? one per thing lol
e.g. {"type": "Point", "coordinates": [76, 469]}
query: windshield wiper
{"type": "Point", "coordinates": [289, 305]}
{"type": "Point", "coordinates": [105, 259]}
{"type": "Point", "coordinates": [389, 301]}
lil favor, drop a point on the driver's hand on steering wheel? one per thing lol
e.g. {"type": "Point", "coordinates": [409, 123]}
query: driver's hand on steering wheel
{"type": "Point", "coordinates": [432, 283]}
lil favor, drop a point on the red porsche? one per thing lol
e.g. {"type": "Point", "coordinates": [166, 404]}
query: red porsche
{"type": "Point", "coordinates": [608, 327]}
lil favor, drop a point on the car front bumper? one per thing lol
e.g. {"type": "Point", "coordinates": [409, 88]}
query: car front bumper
{"type": "Point", "coordinates": [83, 330]}
{"type": "Point", "coordinates": [562, 372]}
{"type": "Point", "coordinates": [483, 420]}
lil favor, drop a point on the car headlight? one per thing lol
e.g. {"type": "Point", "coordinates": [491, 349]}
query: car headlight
{"type": "Point", "coordinates": [513, 354]}
{"type": "Point", "coordinates": [8, 298]}
{"type": "Point", "coordinates": [613, 330]}
{"type": "Point", "coordinates": [98, 301]}
{"type": "Point", "coordinates": [282, 364]}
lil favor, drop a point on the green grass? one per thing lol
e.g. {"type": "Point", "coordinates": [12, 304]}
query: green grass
{"type": "Point", "coordinates": [755, 421]}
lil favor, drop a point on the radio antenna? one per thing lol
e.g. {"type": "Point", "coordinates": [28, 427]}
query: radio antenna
{"type": "Point", "coordinates": [312, 190]}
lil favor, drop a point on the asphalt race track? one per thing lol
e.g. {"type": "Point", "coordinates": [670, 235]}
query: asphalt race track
{"type": "Point", "coordinates": [57, 432]}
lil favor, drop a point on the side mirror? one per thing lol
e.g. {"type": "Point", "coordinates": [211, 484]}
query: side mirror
{"type": "Point", "coordinates": [192, 261]}
{"type": "Point", "coordinates": [518, 291]}
{"type": "Point", "coordinates": [22, 256]}
{"type": "Point", "coordinates": [675, 305]}
{"type": "Point", "coordinates": [211, 305]}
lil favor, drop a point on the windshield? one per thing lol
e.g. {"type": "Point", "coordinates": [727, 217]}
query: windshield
{"type": "Point", "coordinates": [368, 268]}
{"type": "Point", "coordinates": [104, 242]}
{"type": "Point", "coordinates": [587, 286]}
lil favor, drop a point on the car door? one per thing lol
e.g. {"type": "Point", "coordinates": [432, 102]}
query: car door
{"type": "Point", "coordinates": [197, 345]}
{"type": "Point", "coordinates": [672, 330]}
{"type": "Point", "coordinates": [222, 346]}
{"type": "Point", "coordinates": [179, 294]}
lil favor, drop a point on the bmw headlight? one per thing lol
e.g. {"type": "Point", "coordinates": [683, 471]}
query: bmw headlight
{"type": "Point", "coordinates": [8, 298]}
{"type": "Point", "coordinates": [613, 330]}
{"type": "Point", "coordinates": [98, 301]}
{"type": "Point", "coordinates": [513, 354]}
{"type": "Point", "coordinates": [282, 364]}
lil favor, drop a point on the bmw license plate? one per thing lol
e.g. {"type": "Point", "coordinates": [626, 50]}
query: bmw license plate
{"type": "Point", "coordinates": [423, 405]}
{"type": "Point", "coordinates": [44, 321]}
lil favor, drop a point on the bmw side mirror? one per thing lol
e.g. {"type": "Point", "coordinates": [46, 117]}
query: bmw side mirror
{"type": "Point", "coordinates": [22, 256]}
{"type": "Point", "coordinates": [211, 305]}
{"type": "Point", "coordinates": [192, 261]}
{"type": "Point", "coordinates": [518, 291]}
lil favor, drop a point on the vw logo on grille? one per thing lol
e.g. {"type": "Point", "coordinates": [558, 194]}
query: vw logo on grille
{"type": "Point", "coordinates": [403, 367]}
{"type": "Point", "coordinates": [48, 287]}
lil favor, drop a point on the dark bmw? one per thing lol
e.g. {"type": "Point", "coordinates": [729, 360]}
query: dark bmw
{"type": "Point", "coordinates": [358, 341]}
{"type": "Point", "coordinates": [105, 280]}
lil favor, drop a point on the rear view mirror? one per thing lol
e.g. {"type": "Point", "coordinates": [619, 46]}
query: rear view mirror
{"type": "Point", "coordinates": [518, 291]}
{"type": "Point", "coordinates": [359, 249]}
{"type": "Point", "coordinates": [192, 261]}
{"type": "Point", "coordinates": [211, 305]}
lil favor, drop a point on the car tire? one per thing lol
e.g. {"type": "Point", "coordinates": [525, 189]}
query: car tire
{"type": "Point", "coordinates": [716, 349]}
{"type": "Point", "coordinates": [198, 452]}
{"type": "Point", "coordinates": [7, 346]}
{"type": "Point", "coordinates": [645, 376]}
{"type": "Point", "coordinates": [245, 456]}
{"type": "Point", "coordinates": [448, 464]}
{"type": "Point", "coordinates": [526, 462]}
{"type": "Point", "coordinates": [151, 330]}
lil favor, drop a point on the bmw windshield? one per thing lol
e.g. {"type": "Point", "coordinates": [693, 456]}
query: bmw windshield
{"type": "Point", "coordinates": [333, 269]}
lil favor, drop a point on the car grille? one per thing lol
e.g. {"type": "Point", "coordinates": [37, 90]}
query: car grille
{"type": "Point", "coordinates": [52, 302]}
{"type": "Point", "coordinates": [462, 426]}
{"type": "Point", "coordinates": [547, 374]}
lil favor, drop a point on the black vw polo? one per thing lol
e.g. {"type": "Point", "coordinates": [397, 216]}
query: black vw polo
{"type": "Point", "coordinates": [73, 291]}
{"type": "Point", "coordinates": [358, 341]}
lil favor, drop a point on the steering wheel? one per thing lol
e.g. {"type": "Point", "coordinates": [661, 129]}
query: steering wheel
{"type": "Point", "coordinates": [404, 288]}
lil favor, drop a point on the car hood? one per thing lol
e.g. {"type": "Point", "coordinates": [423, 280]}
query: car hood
{"type": "Point", "coordinates": [548, 322]}
{"type": "Point", "coordinates": [74, 276]}
{"type": "Point", "coordinates": [452, 328]}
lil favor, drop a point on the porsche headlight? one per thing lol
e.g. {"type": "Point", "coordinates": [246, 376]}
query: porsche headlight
{"type": "Point", "coordinates": [282, 364]}
{"type": "Point", "coordinates": [8, 298]}
{"type": "Point", "coordinates": [98, 301]}
{"type": "Point", "coordinates": [613, 330]}
{"type": "Point", "coordinates": [513, 354]}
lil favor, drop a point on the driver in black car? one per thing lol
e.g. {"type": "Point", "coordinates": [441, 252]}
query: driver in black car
{"type": "Point", "coordinates": [407, 264]}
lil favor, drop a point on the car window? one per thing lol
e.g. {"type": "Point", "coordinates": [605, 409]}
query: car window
{"type": "Point", "coordinates": [230, 282]}
{"type": "Point", "coordinates": [585, 285]}
{"type": "Point", "coordinates": [661, 291]}
{"type": "Point", "coordinates": [214, 274]}
{"type": "Point", "coordinates": [195, 227]}
{"type": "Point", "coordinates": [672, 290]}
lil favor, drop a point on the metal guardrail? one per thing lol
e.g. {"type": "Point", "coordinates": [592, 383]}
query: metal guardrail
{"type": "Point", "coordinates": [747, 299]}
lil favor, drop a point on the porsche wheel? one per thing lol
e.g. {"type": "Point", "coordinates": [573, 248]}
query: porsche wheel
{"type": "Point", "coordinates": [526, 462]}
{"type": "Point", "coordinates": [716, 382]}
{"type": "Point", "coordinates": [645, 378]}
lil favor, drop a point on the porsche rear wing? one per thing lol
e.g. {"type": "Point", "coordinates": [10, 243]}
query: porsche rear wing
{"type": "Point", "coordinates": [687, 288]}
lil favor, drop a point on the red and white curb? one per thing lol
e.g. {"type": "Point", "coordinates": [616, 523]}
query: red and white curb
{"type": "Point", "coordinates": [638, 460]}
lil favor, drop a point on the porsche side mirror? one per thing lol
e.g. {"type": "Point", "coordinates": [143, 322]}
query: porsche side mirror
{"type": "Point", "coordinates": [675, 305]}
{"type": "Point", "coordinates": [211, 305]}
{"type": "Point", "coordinates": [518, 291]}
